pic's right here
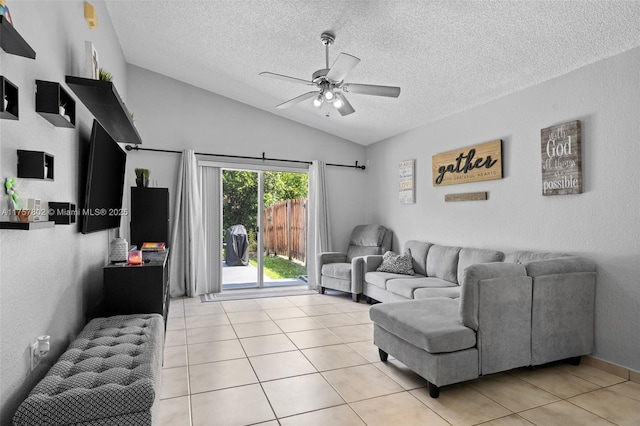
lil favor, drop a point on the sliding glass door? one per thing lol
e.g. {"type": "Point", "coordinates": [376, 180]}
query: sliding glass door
{"type": "Point", "coordinates": [263, 228]}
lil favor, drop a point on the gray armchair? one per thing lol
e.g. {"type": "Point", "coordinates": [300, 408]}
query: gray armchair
{"type": "Point", "coordinates": [344, 271]}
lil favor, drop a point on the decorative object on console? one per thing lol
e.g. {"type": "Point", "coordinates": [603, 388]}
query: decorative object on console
{"type": "Point", "coordinates": [142, 178]}
{"type": "Point", "coordinates": [155, 247]}
{"type": "Point", "coordinates": [467, 196]}
{"type": "Point", "coordinates": [135, 257]}
{"type": "Point", "coordinates": [406, 184]}
{"type": "Point", "coordinates": [118, 250]}
{"type": "Point", "coordinates": [471, 164]}
{"type": "Point", "coordinates": [561, 148]}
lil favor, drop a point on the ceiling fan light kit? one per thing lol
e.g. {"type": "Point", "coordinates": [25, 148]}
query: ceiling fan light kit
{"type": "Point", "coordinates": [331, 85]}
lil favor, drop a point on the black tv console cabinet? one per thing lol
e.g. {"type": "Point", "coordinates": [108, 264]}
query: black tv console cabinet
{"type": "Point", "coordinates": [141, 289]}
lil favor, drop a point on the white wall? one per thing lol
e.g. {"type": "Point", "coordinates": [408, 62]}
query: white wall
{"type": "Point", "coordinates": [51, 279]}
{"type": "Point", "coordinates": [173, 115]}
{"type": "Point", "coordinates": [601, 224]}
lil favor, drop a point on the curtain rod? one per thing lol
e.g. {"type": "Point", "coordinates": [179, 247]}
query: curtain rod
{"type": "Point", "coordinates": [263, 158]}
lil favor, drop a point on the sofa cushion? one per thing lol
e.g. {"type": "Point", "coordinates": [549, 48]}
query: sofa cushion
{"type": "Point", "coordinates": [396, 263]}
{"type": "Point", "coordinates": [419, 250]}
{"type": "Point", "coordinates": [471, 256]}
{"type": "Point", "coordinates": [341, 271]}
{"type": "Point", "coordinates": [379, 279]}
{"type": "Point", "coordinates": [429, 324]}
{"type": "Point", "coordinates": [430, 292]}
{"type": "Point", "coordinates": [407, 287]}
{"type": "Point", "coordinates": [442, 262]}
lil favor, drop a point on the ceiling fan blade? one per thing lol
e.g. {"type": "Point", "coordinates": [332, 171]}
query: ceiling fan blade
{"type": "Point", "coordinates": [341, 67]}
{"type": "Point", "coordinates": [346, 107]}
{"type": "Point", "coordinates": [297, 99]}
{"type": "Point", "coordinates": [371, 89]}
{"type": "Point", "coordinates": [286, 78]}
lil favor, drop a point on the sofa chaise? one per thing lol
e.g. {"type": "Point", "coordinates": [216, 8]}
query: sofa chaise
{"type": "Point", "coordinates": [469, 312]}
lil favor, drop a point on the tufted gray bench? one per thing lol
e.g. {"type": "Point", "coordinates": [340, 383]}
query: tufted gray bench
{"type": "Point", "coordinates": [109, 375]}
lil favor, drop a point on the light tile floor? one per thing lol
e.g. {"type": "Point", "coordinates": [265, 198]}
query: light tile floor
{"type": "Point", "coordinates": [310, 360]}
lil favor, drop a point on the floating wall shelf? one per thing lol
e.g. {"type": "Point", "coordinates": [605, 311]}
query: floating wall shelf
{"type": "Point", "coordinates": [103, 100]}
{"type": "Point", "coordinates": [55, 104]}
{"type": "Point", "coordinates": [8, 97]}
{"type": "Point", "coordinates": [35, 165]}
{"type": "Point", "coordinates": [26, 226]}
{"type": "Point", "coordinates": [12, 42]}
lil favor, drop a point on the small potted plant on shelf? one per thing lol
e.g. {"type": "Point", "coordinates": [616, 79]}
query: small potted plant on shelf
{"type": "Point", "coordinates": [142, 178]}
{"type": "Point", "coordinates": [21, 214]}
{"type": "Point", "coordinates": [104, 75]}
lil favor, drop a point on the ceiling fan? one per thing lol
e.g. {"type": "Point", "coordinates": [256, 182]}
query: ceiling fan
{"type": "Point", "coordinates": [330, 82]}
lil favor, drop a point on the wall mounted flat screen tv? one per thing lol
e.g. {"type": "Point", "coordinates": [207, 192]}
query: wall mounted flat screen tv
{"type": "Point", "coordinates": [105, 182]}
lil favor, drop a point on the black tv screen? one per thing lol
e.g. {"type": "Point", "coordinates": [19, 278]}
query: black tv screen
{"type": "Point", "coordinates": [105, 182]}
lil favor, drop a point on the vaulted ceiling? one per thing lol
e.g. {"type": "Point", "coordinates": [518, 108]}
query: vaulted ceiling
{"type": "Point", "coordinates": [447, 56]}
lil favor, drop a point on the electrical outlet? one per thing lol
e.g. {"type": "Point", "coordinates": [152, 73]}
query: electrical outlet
{"type": "Point", "coordinates": [35, 356]}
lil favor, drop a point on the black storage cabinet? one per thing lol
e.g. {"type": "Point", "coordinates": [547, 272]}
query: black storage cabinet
{"type": "Point", "coordinates": [149, 215]}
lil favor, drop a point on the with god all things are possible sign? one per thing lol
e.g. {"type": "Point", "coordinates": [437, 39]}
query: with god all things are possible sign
{"type": "Point", "coordinates": [561, 159]}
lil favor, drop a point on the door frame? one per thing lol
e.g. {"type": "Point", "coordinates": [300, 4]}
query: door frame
{"type": "Point", "coordinates": [260, 169]}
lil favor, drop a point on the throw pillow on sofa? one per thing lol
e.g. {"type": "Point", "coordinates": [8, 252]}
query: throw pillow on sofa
{"type": "Point", "coordinates": [396, 263]}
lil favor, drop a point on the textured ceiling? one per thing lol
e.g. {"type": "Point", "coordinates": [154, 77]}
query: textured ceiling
{"type": "Point", "coordinates": [447, 56]}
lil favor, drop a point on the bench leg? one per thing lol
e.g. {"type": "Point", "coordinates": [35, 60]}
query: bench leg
{"type": "Point", "coordinates": [355, 297]}
{"type": "Point", "coordinates": [434, 391]}
{"type": "Point", "coordinates": [383, 355]}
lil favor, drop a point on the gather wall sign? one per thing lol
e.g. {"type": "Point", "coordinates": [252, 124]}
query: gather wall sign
{"type": "Point", "coordinates": [471, 164]}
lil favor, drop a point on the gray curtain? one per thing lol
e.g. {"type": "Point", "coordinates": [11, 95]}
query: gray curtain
{"type": "Point", "coordinates": [318, 220]}
{"type": "Point", "coordinates": [187, 255]}
{"type": "Point", "coordinates": [212, 223]}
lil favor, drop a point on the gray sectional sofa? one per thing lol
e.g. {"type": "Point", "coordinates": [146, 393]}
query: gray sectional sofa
{"type": "Point", "coordinates": [470, 312]}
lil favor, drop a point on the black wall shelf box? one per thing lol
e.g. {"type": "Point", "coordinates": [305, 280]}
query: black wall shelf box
{"type": "Point", "coordinates": [62, 213]}
{"type": "Point", "coordinates": [8, 93]}
{"type": "Point", "coordinates": [35, 165]}
{"type": "Point", "coordinates": [103, 100]}
{"type": "Point", "coordinates": [12, 42]}
{"type": "Point", "coordinates": [50, 97]}
{"type": "Point", "coordinates": [26, 226]}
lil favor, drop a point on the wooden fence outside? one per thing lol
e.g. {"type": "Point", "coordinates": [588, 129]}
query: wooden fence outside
{"type": "Point", "coordinates": [285, 232]}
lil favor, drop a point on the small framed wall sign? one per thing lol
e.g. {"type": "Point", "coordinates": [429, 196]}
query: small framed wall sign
{"type": "Point", "coordinates": [406, 182]}
{"type": "Point", "coordinates": [561, 148]}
